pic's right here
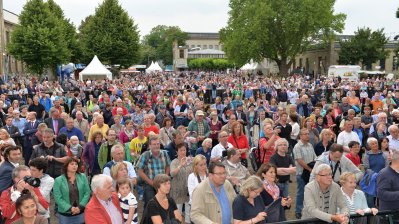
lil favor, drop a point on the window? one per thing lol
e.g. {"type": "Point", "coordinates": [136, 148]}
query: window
{"type": "Point", "coordinates": [181, 53]}
{"type": "Point", "coordinates": [216, 47]}
{"type": "Point", "coordinates": [192, 45]}
{"type": "Point", "coordinates": [210, 46]}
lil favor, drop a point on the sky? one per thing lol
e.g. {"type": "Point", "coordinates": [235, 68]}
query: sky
{"type": "Point", "coordinates": [212, 15]}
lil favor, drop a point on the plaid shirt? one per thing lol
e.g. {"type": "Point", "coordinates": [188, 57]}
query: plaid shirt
{"type": "Point", "coordinates": [201, 129]}
{"type": "Point", "coordinates": [153, 166]}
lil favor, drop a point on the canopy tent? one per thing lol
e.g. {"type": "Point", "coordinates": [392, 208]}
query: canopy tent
{"type": "Point", "coordinates": [246, 67]}
{"type": "Point", "coordinates": [95, 70]}
{"type": "Point", "coordinates": [154, 67]}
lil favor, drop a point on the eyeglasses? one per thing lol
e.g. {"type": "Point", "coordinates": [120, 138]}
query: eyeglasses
{"type": "Point", "coordinates": [220, 174]}
{"type": "Point", "coordinates": [325, 175]}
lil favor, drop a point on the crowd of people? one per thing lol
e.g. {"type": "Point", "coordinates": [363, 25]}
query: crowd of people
{"type": "Point", "coordinates": [198, 148]}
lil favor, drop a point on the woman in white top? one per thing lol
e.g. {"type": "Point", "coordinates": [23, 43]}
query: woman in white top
{"type": "Point", "coordinates": [165, 134]}
{"type": "Point", "coordinates": [5, 138]}
{"type": "Point", "coordinates": [198, 175]}
{"type": "Point", "coordinates": [355, 199]}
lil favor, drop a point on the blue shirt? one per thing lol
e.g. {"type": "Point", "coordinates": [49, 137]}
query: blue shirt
{"type": "Point", "coordinates": [224, 203]}
{"type": "Point", "coordinates": [74, 131]}
{"type": "Point", "coordinates": [20, 124]}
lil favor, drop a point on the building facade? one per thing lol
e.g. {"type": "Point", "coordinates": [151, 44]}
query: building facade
{"type": "Point", "coordinates": [198, 45]}
{"type": "Point", "coordinates": [317, 59]}
{"type": "Point", "coordinates": [9, 64]}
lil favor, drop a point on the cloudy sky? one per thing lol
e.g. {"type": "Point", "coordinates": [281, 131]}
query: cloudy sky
{"type": "Point", "coordinates": [212, 15]}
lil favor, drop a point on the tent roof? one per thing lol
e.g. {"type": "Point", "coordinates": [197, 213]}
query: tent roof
{"type": "Point", "coordinates": [153, 67]}
{"type": "Point", "coordinates": [95, 67]}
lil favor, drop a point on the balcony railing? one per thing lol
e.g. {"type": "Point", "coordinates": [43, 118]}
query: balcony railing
{"type": "Point", "coordinates": [383, 217]}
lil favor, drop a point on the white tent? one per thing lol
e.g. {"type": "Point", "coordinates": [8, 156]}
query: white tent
{"type": "Point", "coordinates": [246, 67]}
{"type": "Point", "coordinates": [154, 67]}
{"type": "Point", "coordinates": [95, 70]}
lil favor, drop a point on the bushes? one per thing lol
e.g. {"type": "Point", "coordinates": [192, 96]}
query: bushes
{"type": "Point", "coordinates": [209, 63]}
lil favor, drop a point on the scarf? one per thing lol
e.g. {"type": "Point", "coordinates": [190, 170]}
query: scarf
{"type": "Point", "coordinates": [272, 189]}
{"type": "Point", "coordinates": [129, 134]}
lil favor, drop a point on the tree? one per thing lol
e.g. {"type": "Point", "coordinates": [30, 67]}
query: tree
{"type": "Point", "coordinates": [69, 32]}
{"type": "Point", "coordinates": [38, 40]}
{"type": "Point", "coordinates": [277, 29]}
{"type": "Point", "coordinates": [148, 54]}
{"type": "Point", "coordinates": [161, 38]}
{"type": "Point", "coordinates": [111, 35]}
{"type": "Point", "coordinates": [364, 47]}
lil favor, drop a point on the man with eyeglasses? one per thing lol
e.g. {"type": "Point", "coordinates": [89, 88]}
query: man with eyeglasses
{"type": "Point", "coordinates": [213, 198]}
{"type": "Point", "coordinates": [337, 162]}
{"type": "Point", "coordinates": [324, 199]}
{"type": "Point", "coordinates": [220, 150]}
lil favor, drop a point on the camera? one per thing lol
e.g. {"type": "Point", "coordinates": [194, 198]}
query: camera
{"type": "Point", "coordinates": [34, 182]}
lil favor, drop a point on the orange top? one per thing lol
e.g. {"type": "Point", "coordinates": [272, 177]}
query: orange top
{"type": "Point", "coordinates": [377, 104]}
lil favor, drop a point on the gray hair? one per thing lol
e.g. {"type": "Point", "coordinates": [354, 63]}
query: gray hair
{"type": "Point", "coordinates": [392, 127]}
{"type": "Point", "coordinates": [17, 170]}
{"type": "Point", "coordinates": [115, 147]}
{"type": "Point", "coordinates": [371, 139]}
{"type": "Point", "coordinates": [205, 141]}
{"type": "Point", "coordinates": [98, 181]}
{"type": "Point", "coordinates": [250, 184]}
{"type": "Point", "coordinates": [48, 131]}
{"type": "Point", "coordinates": [395, 155]}
{"type": "Point", "coordinates": [322, 167]}
{"type": "Point", "coordinates": [279, 141]}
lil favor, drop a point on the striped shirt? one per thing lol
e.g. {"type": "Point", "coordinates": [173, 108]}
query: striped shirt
{"type": "Point", "coordinates": [358, 201]}
{"type": "Point", "coordinates": [127, 202]}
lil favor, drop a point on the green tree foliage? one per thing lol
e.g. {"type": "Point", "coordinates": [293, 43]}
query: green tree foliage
{"type": "Point", "coordinates": [39, 39]}
{"type": "Point", "coordinates": [69, 32]}
{"type": "Point", "coordinates": [277, 29]}
{"type": "Point", "coordinates": [161, 38]}
{"type": "Point", "coordinates": [209, 64]}
{"type": "Point", "coordinates": [397, 13]}
{"type": "Point", "coordinates": [148, 54]}
{"type": "Point", "coordinates": [366, 47]}
{"type": "Point", "coordinates": [111, 35]}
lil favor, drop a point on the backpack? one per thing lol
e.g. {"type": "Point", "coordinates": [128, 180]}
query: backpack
{"type": "Point", "coordinates": [368, 184]}
{"type": "Point", "coordinates": [255, 157]}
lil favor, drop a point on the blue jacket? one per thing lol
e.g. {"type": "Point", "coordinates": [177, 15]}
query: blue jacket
{"type": "Point", "coordinates": [46, 102]}
{"type": "Point", "coordinates": [5, 175]}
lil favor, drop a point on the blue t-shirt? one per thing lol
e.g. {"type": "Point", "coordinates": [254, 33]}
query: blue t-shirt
{"type": "Point", "coordinates": [224, 204]}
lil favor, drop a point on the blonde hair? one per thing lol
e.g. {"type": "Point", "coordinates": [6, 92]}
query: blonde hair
{"type": "Point", "coordinates": [250, 184]}
{"type": "Point", "coordinates": [323, 132]}
{"type": "Point", "coordinates": [197, 159]}
{"type": "Point", "coordinates": [4, 131]}
{"type": "Point", "coordinates": [205, 141]}
{"type": "Point", "coordinates": [345, 177]}
{"type": "Point", "coordinates": [114, 169]}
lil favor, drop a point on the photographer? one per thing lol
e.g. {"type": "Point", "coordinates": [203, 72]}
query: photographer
{"type": "Point", "coordinates": [38, 169]}
{"type": "Point", "coordinates": [23, 182]}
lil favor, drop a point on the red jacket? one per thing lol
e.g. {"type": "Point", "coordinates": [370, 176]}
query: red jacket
{"type": "Point", "coordinates": [8, 208]}
{"type": "Point", "coordinates": [95, 213]}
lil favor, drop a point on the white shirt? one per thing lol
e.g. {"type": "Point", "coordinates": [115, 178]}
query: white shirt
{"type": "Point", "coordinates": [393, 143]}
{"type": "Point", "coordinates": [217, 151]}
{"type": "Point", "coordinates": [192, 183]}
{"type": "Point", "coordinates": [344, 138]}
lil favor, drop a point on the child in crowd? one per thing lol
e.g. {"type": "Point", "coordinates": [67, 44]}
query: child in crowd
{"type": "Point", "coordinates": [127, 201]}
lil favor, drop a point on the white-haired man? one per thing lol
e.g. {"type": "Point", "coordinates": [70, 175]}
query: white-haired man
{"type": "Point", "coordinates": [103, 206]}
{"type": "Point", "coordinates": [324, 199]}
